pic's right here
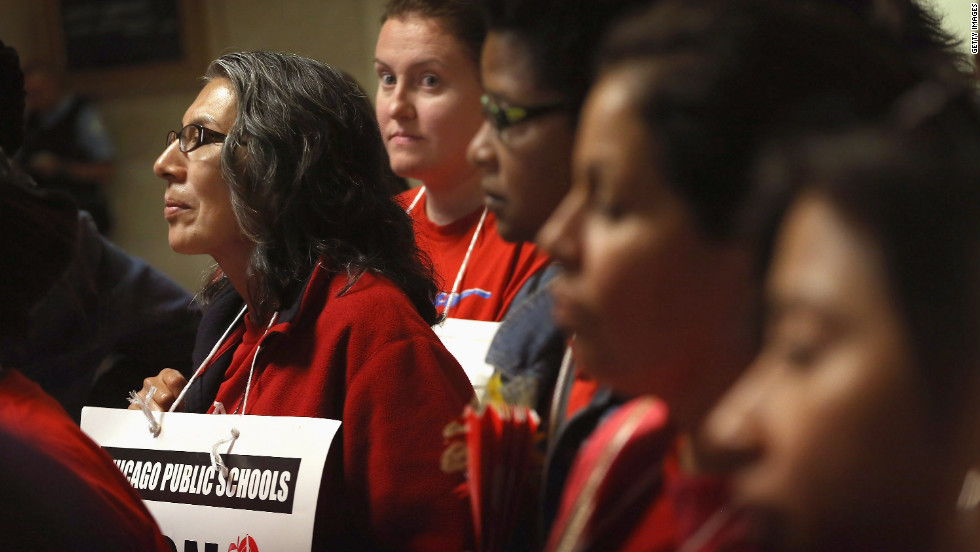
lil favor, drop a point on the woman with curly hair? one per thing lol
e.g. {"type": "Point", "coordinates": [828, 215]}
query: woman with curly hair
{"type": "Point", "coordinates": [280, 174]}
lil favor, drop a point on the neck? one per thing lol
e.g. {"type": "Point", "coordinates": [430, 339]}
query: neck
{"type": "Point", "coordinates": [447, 202]}
{"type": "Point", "coordinates": [235, 268]}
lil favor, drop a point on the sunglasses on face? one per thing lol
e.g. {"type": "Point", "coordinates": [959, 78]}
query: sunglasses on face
{"type": "Point", "coordinates": [194, 136]}
{"type": "Point", "coordinates": [502, 117]}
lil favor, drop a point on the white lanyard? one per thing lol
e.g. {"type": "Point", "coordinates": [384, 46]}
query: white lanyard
{"type": "Point", "coordinates": [466, 258]}
{"type": "Point", "coordinates": [217, 345]}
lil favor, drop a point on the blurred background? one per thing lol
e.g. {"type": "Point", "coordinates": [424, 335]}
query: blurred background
{"type": "Point", "coordinates": [140, 100]}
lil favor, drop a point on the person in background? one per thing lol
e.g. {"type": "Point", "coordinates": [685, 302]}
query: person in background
{"type": "Point", "coordinates": [60, 490]}
{"type": "Point", "coordinates": [658, 285]}
{"type": "Point", "coordinates": [856, 426]}
{"type": "Point", "coordinates": [106, 305]}
{"type": "Point", "coordinates": [66, 144]}
{"type": "Point", "coordinates": [279, 174]}
{"type": "Point", "coordinates": [428, 109]}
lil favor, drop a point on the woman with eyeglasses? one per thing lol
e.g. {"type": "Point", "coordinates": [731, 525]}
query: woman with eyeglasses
{"type": "Point", "coordinates": [428, 108]}
{"type": "Point", "coordinates": [280, 175]}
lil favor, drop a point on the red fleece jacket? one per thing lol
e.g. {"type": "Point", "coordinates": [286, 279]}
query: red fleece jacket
{"type": "Point", "coordinates": [368, 359]}
{"type": "Point", "coordinates": [59, 490]}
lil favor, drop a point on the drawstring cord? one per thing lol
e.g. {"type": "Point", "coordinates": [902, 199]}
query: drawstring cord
{"type": "Point", "coordinates": [466, 258]}
{"type": "Point", "coordinates": [216, 462]}
{"type": "Point", "coordinates": [207, 359]}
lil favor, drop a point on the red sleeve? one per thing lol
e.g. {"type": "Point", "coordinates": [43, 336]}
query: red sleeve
{"type": "Point", "coordinates": [401, 398]}
{"type": "Point", "coordinates": [59, 490]}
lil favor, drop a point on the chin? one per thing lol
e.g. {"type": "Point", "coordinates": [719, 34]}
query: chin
{"type": "Point", "coordinates": [405, 168]}
{"type": "Point", "coordinates": [180, 249]}
{"type": "Point", "coordinates": [507, 232]}
{"type": "Point", "coordinates": [590, 357]}
{"type": "Point", "coordinates": [182, 246]}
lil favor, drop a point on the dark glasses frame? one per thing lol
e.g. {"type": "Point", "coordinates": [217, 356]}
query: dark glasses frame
{"type": "Point", "coordinates": [502, 117]}
{"type": "Point", "coordinates": [204, 136]}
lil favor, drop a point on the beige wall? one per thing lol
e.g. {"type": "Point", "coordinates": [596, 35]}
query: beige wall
{"type": "Point", "coordinates": [956, 18]}
{"type": "Point", "coordinates": [339, 32]}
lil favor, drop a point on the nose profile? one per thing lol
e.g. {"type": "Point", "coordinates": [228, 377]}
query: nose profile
{"type": "Point", "coordinates": [170, 165]}
{"type": "Point", "coordinates": [734, 435]}
{"type": "Point", "coordinates": [479, 153]}
{"type": "Point", "coordinates": [561, 235]}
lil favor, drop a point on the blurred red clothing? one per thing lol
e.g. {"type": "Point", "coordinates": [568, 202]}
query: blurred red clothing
{"type": "Point", "coordinates": [625, 492]}
{"type": "Point", "coordinates": [60, 490]}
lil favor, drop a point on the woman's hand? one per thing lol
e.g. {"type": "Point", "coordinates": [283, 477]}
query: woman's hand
{"type": "Point", "coordinates": [169, 383]}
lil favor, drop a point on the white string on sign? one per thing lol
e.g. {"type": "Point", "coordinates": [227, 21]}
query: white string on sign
{"type": "Point", "coordinates": [216, 462]}
{"type": "Point", "coordinates": [207, 359]}
{"type": "Point", "coordinates": [144, 405]}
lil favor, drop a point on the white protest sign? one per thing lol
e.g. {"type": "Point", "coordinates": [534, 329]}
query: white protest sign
{"type": "Point", "coordinates": [469, 341]}
{"type": "Point", "coordinates": [268, 501]}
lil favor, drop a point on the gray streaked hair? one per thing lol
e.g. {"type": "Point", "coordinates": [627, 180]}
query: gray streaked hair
{"type": "Point", "coordinates": [309, 181]}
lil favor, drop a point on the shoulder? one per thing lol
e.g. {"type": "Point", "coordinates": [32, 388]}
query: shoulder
{"type": "Point", "coordinates": [404, 199]}
{"type": "Point", "coordinates": [38, 425]}
{"type": "Point", "coordinates": [373, 307]}
{"type": "Point", "coordinates": [633, 438]}
{"type": "Point", "coordinates": [643, 419]}
{"type": "Point", "coordinates": [616, 475]}
{"type": "Point", "coordinates": [371, 290]}
{"type": "Point", "coordinates": [36, 431]}
{"type": "Point", "coordinates": [383, 336]}
{"type": "Point", "coordinates": [46, 455]}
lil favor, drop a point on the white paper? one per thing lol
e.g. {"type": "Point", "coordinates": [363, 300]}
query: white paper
{"type": "Point", "coordinates": [283, 456]}
{"type": "Point", "coordinates": [469, 341]}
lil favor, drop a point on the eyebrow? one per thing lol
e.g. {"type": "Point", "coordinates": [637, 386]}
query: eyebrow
{"type": "Point", "coordinates": [202, 120]}
{"type": "Point", "coordinates": [498, 97]}
{"type": "Point", "coordinates": [414, 64]}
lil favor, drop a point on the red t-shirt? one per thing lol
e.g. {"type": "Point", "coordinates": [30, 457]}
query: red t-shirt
{"type": "Point", "coordinates": [496, 269]}
{"type": "Point", "coordinates": [58, 489]}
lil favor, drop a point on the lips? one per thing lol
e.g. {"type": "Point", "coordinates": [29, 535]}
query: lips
{"type": "Point", "coordinates": [173, 207]}
{"type": "Point", "coordinates": [403, 138]}
{"type": "Point", "coordinates": [493, 201]}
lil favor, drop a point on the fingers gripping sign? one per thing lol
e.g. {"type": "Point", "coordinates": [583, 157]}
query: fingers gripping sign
{"type": "Point", "coordinates": [168, 384]}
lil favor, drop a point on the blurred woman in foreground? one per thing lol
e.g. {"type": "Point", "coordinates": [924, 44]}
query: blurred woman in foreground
{"type": "Point", "coordinates": [856, 428]}
{"type": "Point", "coordinates": [658, 286]}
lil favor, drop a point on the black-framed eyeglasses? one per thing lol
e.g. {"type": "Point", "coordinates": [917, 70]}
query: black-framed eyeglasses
{"type": "Point", "coordinates": [502, 117]}
{"type": "Point", "coordinates": [194, 136]}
